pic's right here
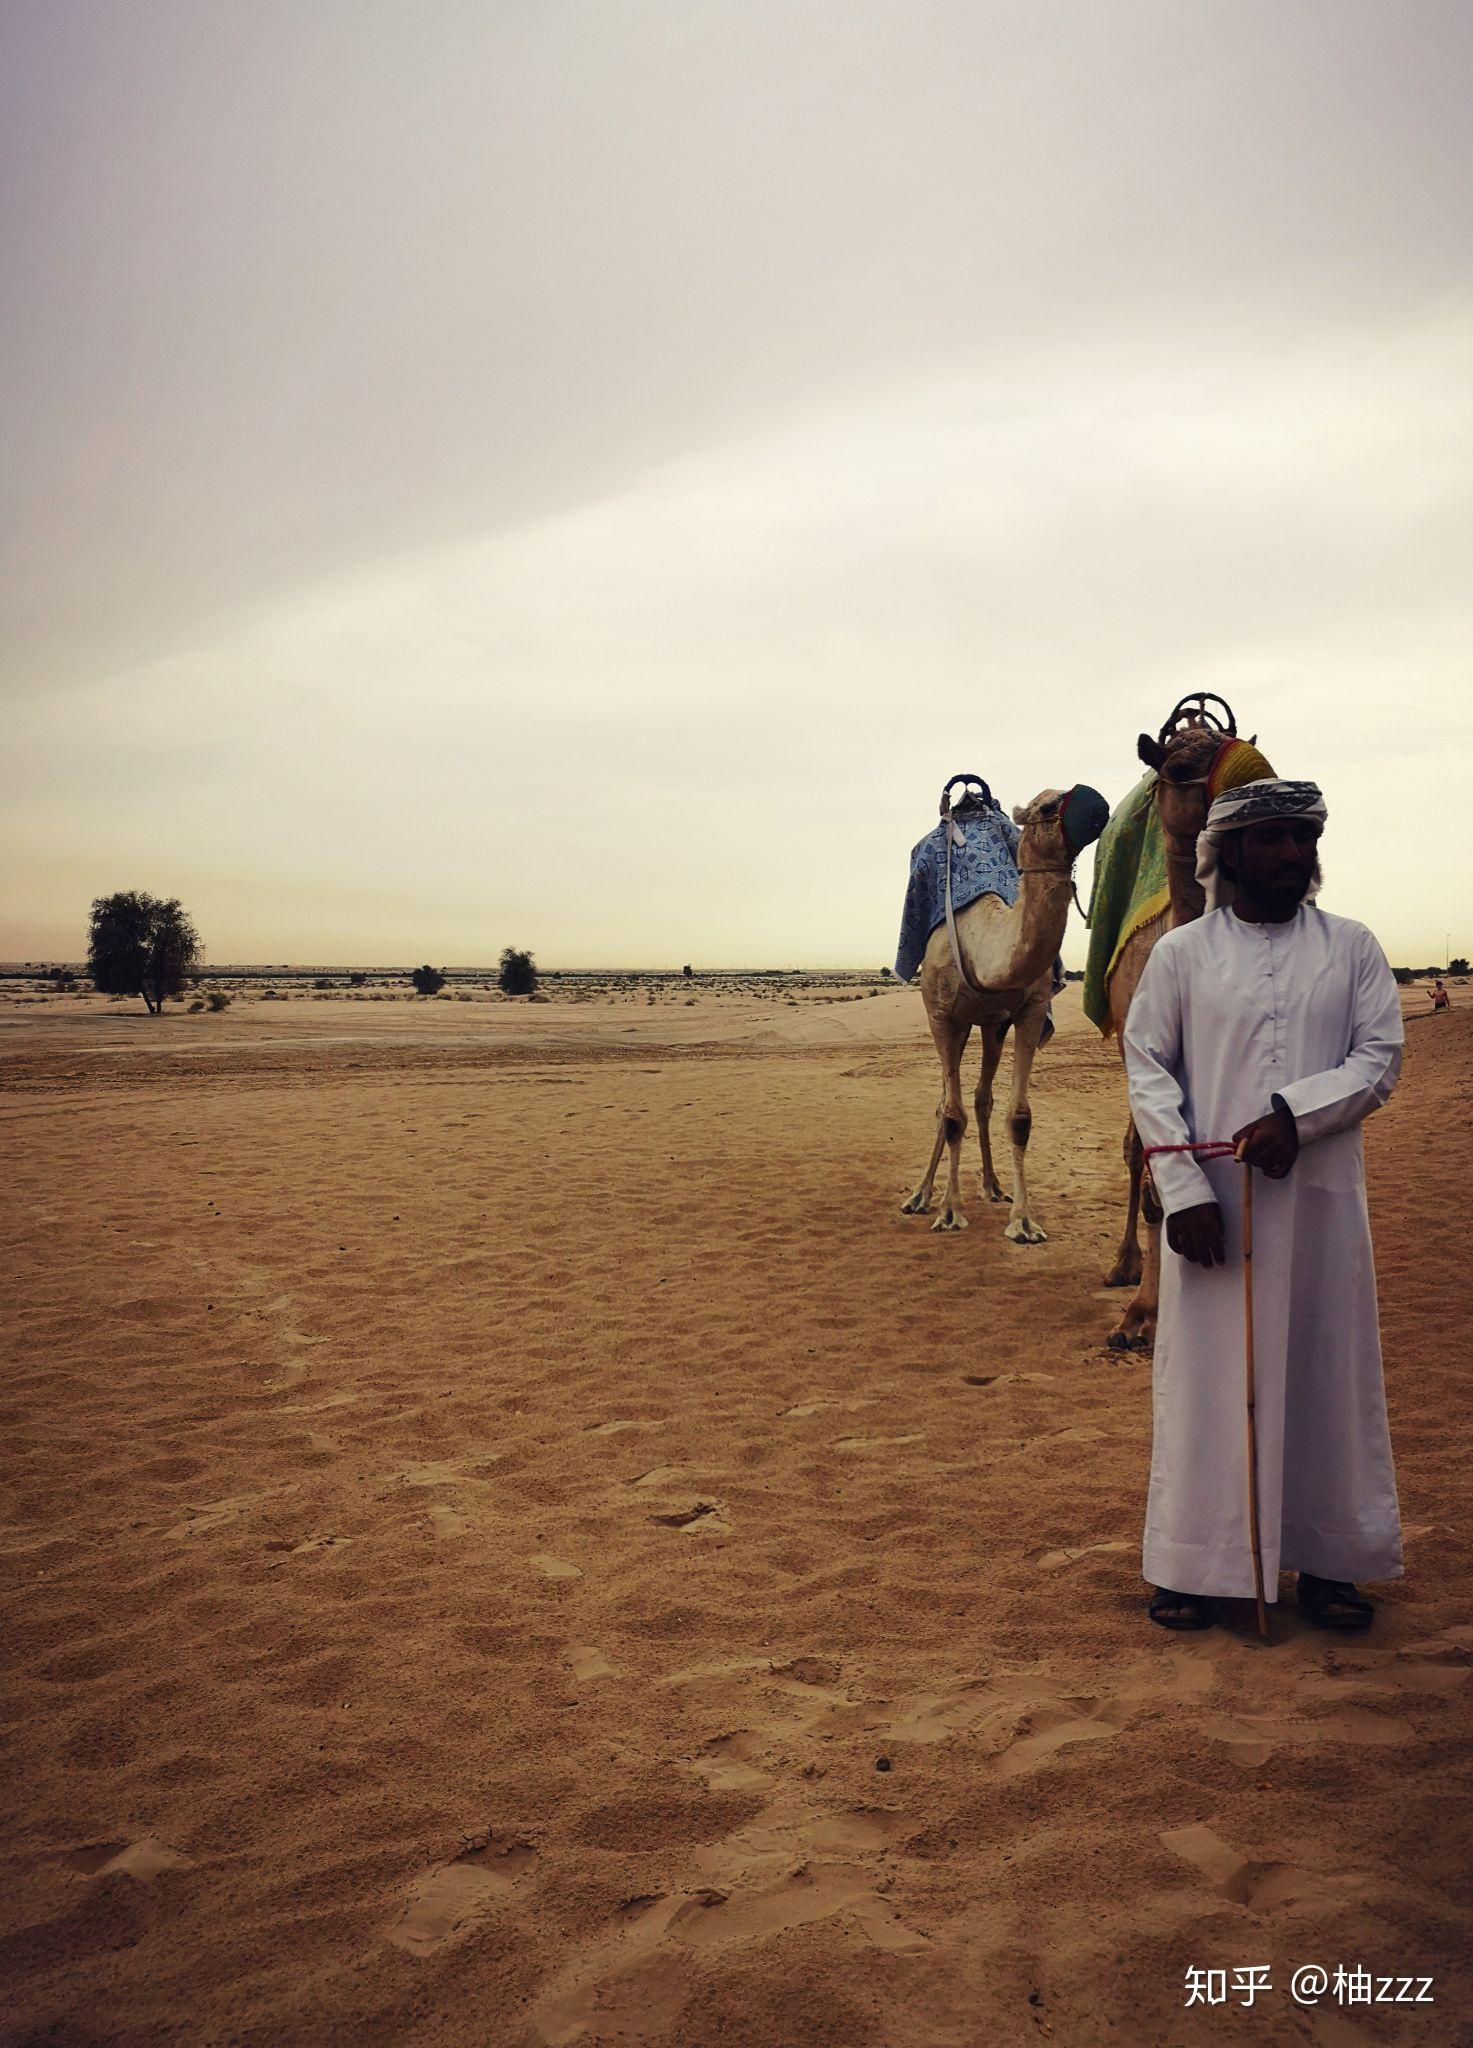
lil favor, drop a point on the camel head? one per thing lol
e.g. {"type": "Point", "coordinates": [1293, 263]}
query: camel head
{"type": "Point", "coordinates": [1196, 757]}
{"type": "Point", "coordinates": [1058, 825]}
{"type": "Point", "coordinates": [1183, 772]}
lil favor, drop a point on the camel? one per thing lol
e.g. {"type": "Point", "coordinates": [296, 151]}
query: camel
{"type": "Point", "coordinates": [1182, 754]}
{"type": "Point", "coordinates": [1008, 952]}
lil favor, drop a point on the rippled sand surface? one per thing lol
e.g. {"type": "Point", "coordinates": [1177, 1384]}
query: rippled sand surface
{"type": "Point", "coordinates": [514, 1538]}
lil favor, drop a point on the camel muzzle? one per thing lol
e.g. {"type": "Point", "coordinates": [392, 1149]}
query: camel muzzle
{"type": "Point", "coordinates": [1083, 816]}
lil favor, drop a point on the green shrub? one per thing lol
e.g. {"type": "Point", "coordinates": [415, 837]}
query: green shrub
{"type": "Point", "coordinates": [138, 945]}
{"type": "Point", "coordinates": [518, 973]}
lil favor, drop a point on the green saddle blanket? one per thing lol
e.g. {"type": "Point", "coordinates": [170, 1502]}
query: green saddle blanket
{"type": "Point", "coordinates": [1130, 888]}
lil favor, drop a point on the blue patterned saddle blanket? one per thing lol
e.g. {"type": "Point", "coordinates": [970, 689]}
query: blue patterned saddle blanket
{"type": "Point", "coordinates": [987, 864]}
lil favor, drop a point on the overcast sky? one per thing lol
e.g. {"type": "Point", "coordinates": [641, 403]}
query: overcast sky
{"type": "Point", "coordinates": [582, 476]}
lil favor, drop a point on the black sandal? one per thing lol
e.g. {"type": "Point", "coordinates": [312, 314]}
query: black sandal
{"type": "Point", "coordinates": [1201, 1610]}
{"type": "Point", "coordinates": [1318, 1598]}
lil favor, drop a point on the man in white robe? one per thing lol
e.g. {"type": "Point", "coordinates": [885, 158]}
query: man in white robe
{"type": "Point", "coordinates": [1274, 1025]}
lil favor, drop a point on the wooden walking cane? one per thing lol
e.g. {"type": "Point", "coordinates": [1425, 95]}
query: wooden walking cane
{"type": "Point", "coordinates": [1249, 1388]}
{"type": "Point", "coordinates": [1224, 1148]}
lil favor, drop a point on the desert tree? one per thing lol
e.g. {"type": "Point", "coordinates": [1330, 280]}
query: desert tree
{"type": "Point", "coordinates": [428, 981]}
{"type": "Point", "coordinates": [141, 945]}
{"type": "Point", "coordinates": [518, 972]}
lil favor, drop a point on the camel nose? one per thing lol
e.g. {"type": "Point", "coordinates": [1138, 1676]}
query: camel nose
{"type": "Point", "coordinates": [1083, 816]}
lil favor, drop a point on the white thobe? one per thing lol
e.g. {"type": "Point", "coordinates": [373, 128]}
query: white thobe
{"type": "Point", "coordinates": [1230, 1019]}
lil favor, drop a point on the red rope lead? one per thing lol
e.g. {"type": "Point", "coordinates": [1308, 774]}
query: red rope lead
{"type": "Point", "coordinates": [1210, 1148]}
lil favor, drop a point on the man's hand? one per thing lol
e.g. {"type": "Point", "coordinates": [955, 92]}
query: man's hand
{"type": "Point", "coordinates": [1196, 1234]}
{"type": "Point", "coordinates": [1271, 1143]}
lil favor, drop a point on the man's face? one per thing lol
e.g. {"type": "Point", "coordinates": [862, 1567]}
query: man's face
{"type": "Point", "coordinates": [1274, 862]}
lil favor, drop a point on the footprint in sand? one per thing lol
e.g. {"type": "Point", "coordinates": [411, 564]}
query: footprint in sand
{"type": "Point", "coordinates": [437, 1473]}
{"type": "Point", "coordinates": [1263, 1887]}
{"type": "Point", "coordinates": [809, 1671]}
{"type": "Point", "coordinates": [932, 1717]}
{"type": "Point", "coordinates": [716, 1919]}
{"type": "Point", "coordinates": [447, 1523]}
{"type": "Point", "coordinates": [445, 1904]}
{"type": "Point", "coordinates": [804, 1409]}
{"type": "Point", "coordinates": [299, 1341]}
{"type": "Point", "coordinates": [587, 1664]}
{"type": "Point", "coordinates": [631, 1984]}
{"type": "Point", "coordinates": [717, 1674]}
{"type": "Point", "coordinates": [1029, 1722]}
{"type": "Point", "coordinates": [1048, 1729]}
{"type": "Point", "coordinates": [313, 1543]}
{"type": "Point", "coordinates": [706, 1518]}
{"type": "Point", "coordinates": [1253, 1738]}
{"type": "Point", "coordinates": [1006, 1379]}
{"type": "Point", "coordinates": [1404, 1676]}
{"type": "Point", "coordinates": [216, 1513]}
{"type": "Point", "coordinates": [1439, 1665]}
{"type": "Point", "coordinates": [658, 1475]}
{"type": "Point", "coordinates": [1054, 1560]}
{"type": "Point", "coordinates": [864, 1832]}
{"type": "Point", "coordinates": [556, 1567]}
{"type": "Point", "coordinates": [143, 1860]}
{"type": "Point", "coordinates": [732, 1763]}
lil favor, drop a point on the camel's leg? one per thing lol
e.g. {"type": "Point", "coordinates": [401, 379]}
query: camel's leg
{"type": "Point", "coordinates": [1126, 1271]}
{"type": "Point", "coordinates": [951, 1123]}
{"type": "Point", "coordinates": [1026, 1033]}
{"type": "Point", "coordinates": [993, 1036]}
{"type": "Point", "coordinates": [1136, 1330]}
{"type": "Point", "coordinates": [918, 1203]}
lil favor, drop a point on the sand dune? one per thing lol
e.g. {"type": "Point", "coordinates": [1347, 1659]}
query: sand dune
{"type": "Point", "coordinates": [515, 1539]}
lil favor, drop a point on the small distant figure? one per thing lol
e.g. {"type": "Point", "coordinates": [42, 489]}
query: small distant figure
{"type": "Point", "coordinates": [1441, 1000]}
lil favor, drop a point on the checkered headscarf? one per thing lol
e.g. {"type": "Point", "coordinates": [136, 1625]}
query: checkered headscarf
{"type": "Point", "coordinates": [1253, 803]}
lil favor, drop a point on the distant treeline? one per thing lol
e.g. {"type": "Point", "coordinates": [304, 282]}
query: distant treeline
{"type": "Point", "coordinates": [37, 970]}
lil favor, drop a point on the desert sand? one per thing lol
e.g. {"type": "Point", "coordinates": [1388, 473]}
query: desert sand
{"type": "Point", "coordinates": [514, 1539]}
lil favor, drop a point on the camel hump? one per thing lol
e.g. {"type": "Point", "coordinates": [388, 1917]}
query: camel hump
{"type": "Point", "coordinates": [984, 862]}
{"type": "Point", "coordinates": [1130, 888]}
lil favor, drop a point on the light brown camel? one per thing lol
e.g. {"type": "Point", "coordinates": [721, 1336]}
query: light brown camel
{"type": "Point", "coordinates": [1183, 756]}
{"type": "Point", "coordinates": [1009, 953]}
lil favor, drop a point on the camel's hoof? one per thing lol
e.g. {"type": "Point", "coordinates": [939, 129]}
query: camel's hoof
{"type": "Point", "coordinates": [917, 1204]}
{"type": "Point", "coordinates": [995, 1194]}
{"type": "Point", "coordinates": [1026, 1232]}
{"type": "Point", "coordinates": [950, 1219]}
{"type": "Point", "coordinates": [1129, 1340]}
{"type": "Point", "coordinates": [1123, 1276]}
